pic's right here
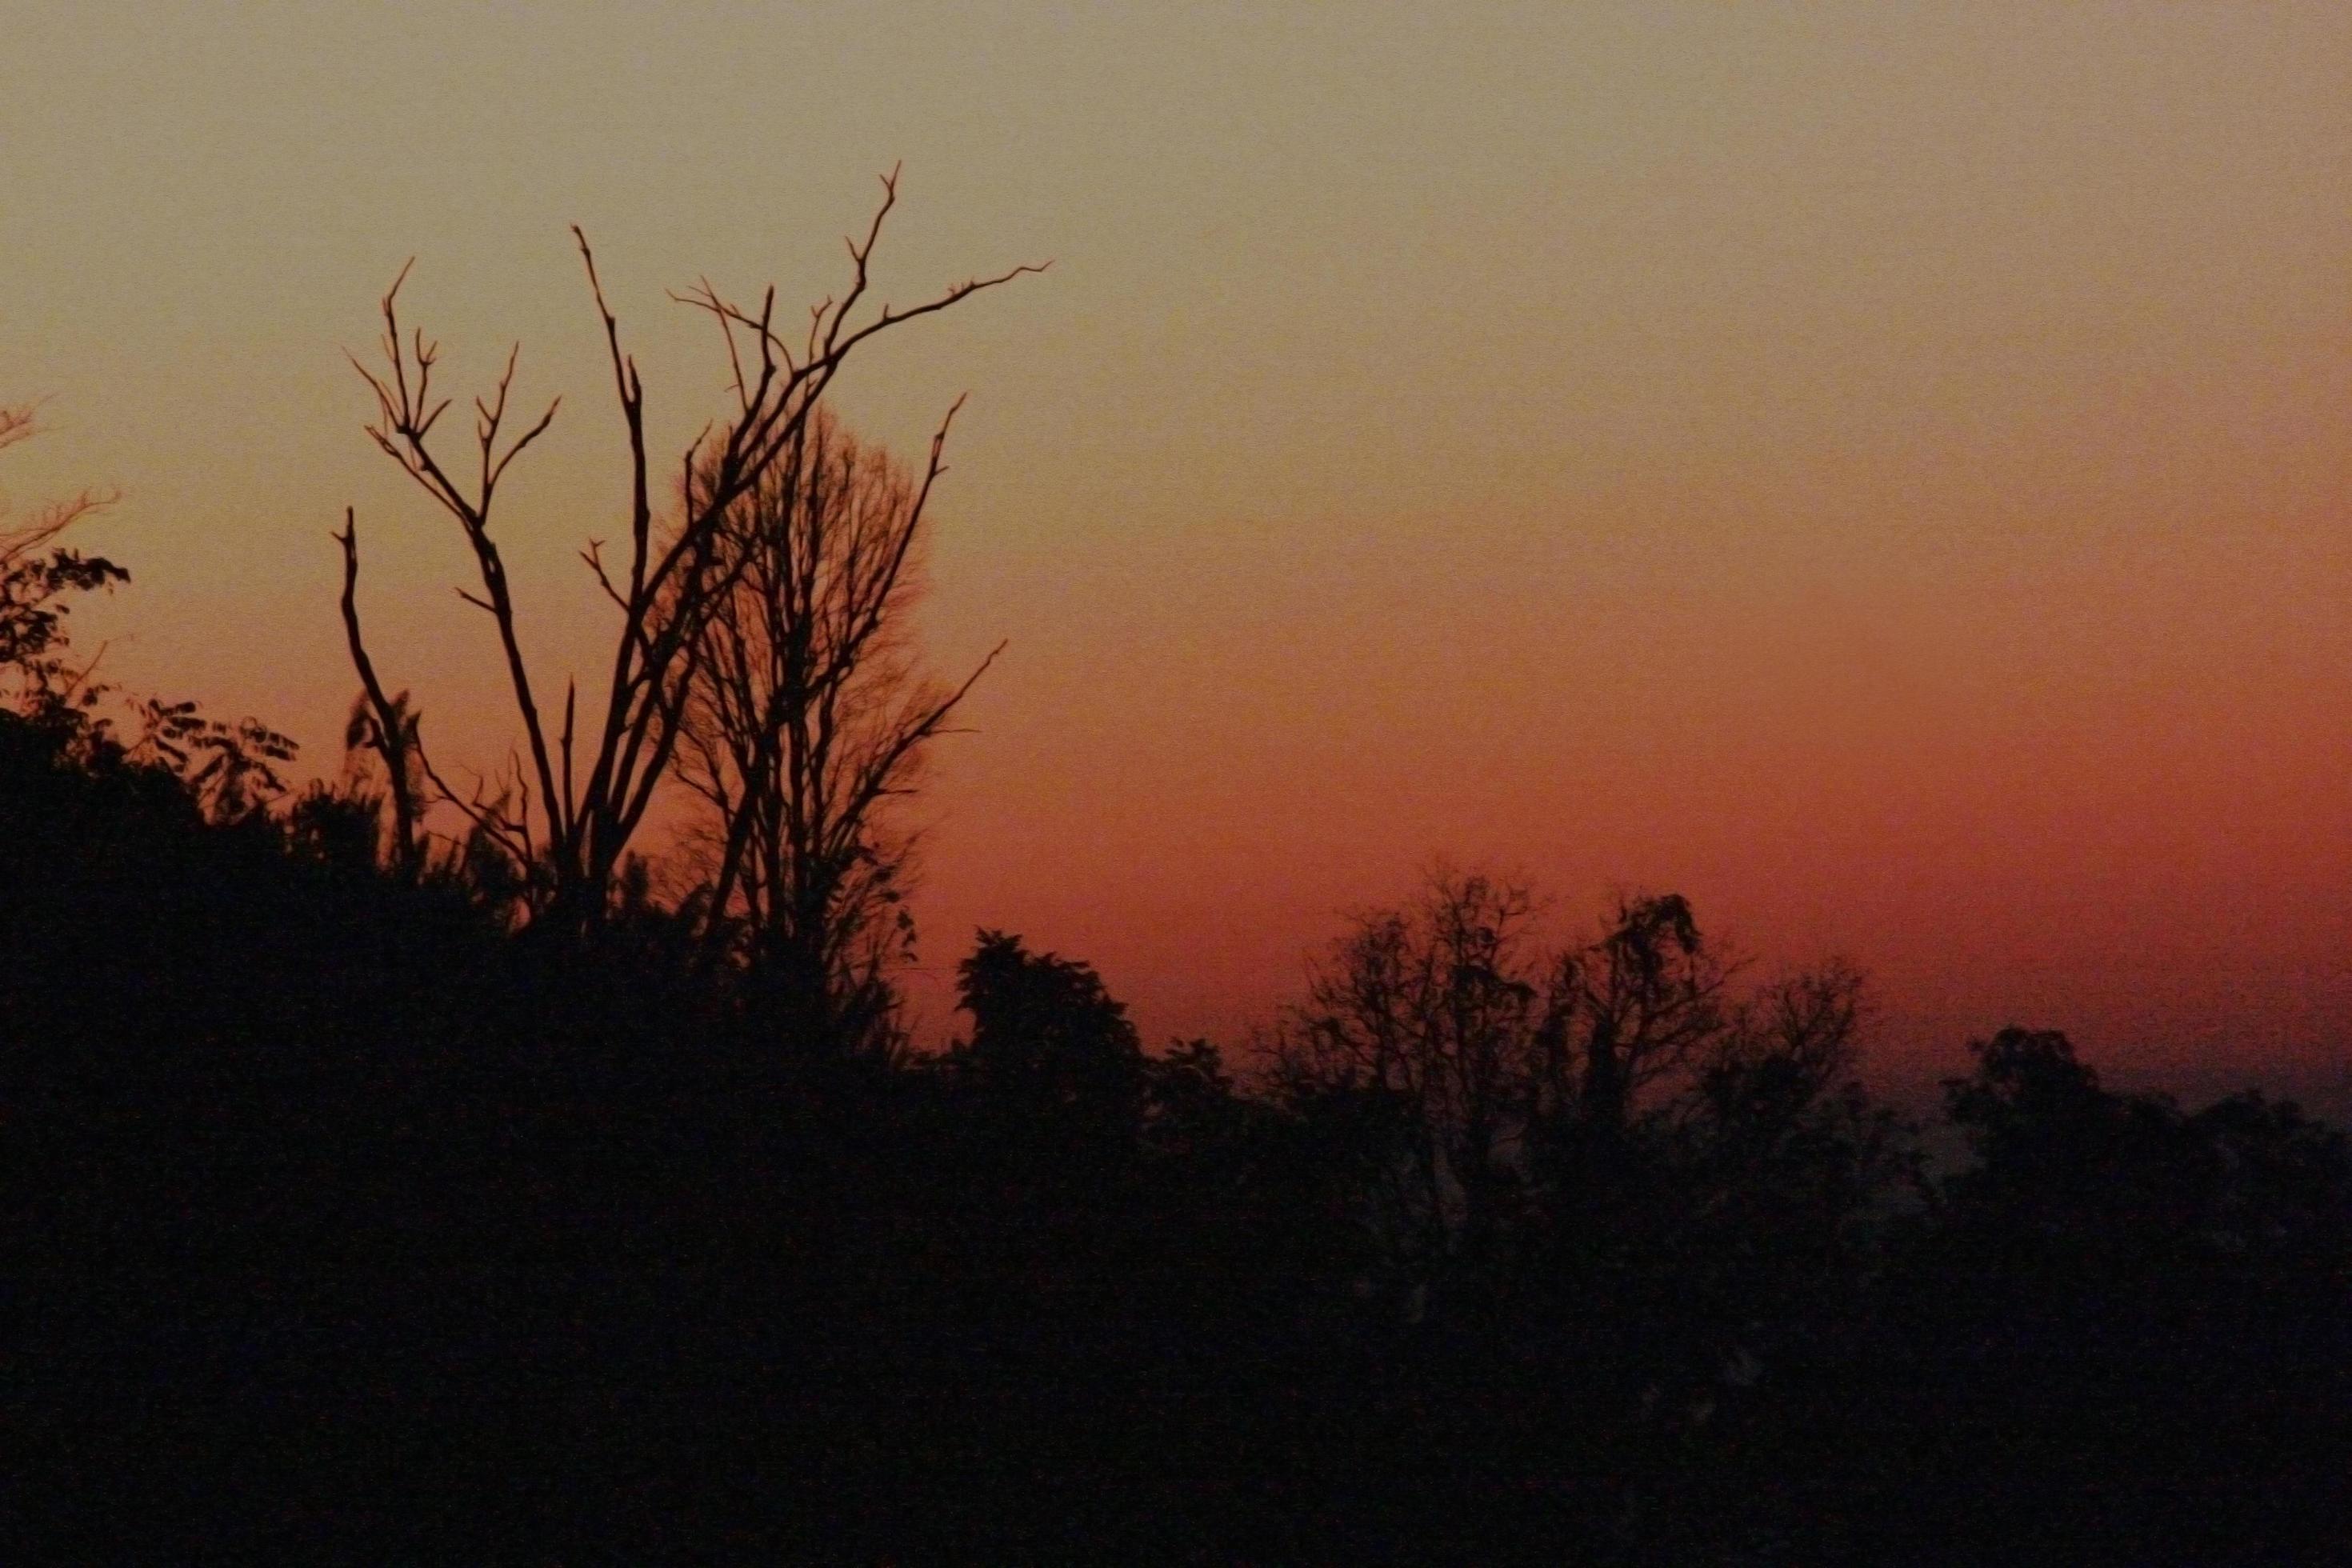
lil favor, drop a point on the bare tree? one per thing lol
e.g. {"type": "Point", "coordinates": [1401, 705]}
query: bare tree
{"type": "Point", "coordinates": [806, 715]}
{"type": "Point", "coordinates": [384, 726]}
{"type": "Point", "coordinates": [1490, 1072]}
{"type": "Point", "coordinates": [1428, 1016]}
{"type": "Point", "coordinates": [567, 819]}
{"type": "Point", "coordinates": [1627, 1010]}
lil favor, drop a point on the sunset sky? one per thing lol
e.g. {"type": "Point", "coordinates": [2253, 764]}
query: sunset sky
{"type": "Point", "coordinates": [1883, 470]}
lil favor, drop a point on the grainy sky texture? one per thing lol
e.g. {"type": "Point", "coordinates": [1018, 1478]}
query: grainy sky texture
{"type": "Point", "coordinates": [1884, 470]}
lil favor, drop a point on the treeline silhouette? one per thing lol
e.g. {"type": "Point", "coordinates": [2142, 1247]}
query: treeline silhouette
{"type": "Point", "coordinates": [346, 1217]}
{"type": "Point", "coordinates": [384, 1192]}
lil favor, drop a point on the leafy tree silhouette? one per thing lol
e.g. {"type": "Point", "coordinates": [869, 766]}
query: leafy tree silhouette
{"type": "Point", "coordinates": [2105, 1353]}
{"type": "Point", "coordinates": [38, 577]}
{"type": "Point", "coordinates": [1048, 1038]}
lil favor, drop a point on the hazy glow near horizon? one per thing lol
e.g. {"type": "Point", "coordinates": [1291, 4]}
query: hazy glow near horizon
{"type": "Point", "coordinates": [1885, 471]}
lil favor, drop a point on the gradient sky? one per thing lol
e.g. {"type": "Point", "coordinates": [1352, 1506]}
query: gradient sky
{"type": "Point", "coordinates": [1883, 470]}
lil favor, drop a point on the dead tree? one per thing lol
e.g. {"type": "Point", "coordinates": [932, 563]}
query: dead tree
{"type": "Point", "coordinates": [805, 717]}
{"type": "Point", "coordinates": [590, 799]}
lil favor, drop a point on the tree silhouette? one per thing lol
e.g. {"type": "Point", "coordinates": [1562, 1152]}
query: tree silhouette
{"type": "Point", "coordinates": [1045, 1032]}
{"type": "Point", "coordinates": [566, 821]}
{"type": "Point", "coordinates": [1778, 1125]}
{"type": "Point", "coordinates": [346, 1219]}
{"type": "Point", "coordinates": [1628, 1009]}
{"type": "Point", "coordinates": [38, 578]}
{"type": "Point", "coordinates": [384, 726]}
{"type": "Point", "coordinates": [805, 718]}
{"type": "Point", "coordinates": [230, 769]}
{"type": "Point", "coordinates": [1426, 1021]}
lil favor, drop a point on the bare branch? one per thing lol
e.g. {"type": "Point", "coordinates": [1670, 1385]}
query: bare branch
{"type": "Point", "coordinates": [680, 586]}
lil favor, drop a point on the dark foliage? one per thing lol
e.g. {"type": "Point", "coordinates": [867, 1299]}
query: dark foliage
{"type": "Point", "coordinates": [346, 1219]}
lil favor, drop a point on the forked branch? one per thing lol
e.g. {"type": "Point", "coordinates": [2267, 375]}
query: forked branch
{"type": "Point", "coordinates": [672, 584]}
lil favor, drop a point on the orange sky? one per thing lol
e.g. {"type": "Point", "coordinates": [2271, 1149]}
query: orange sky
{"type": "Point", "coordinates": [1883, 470]}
